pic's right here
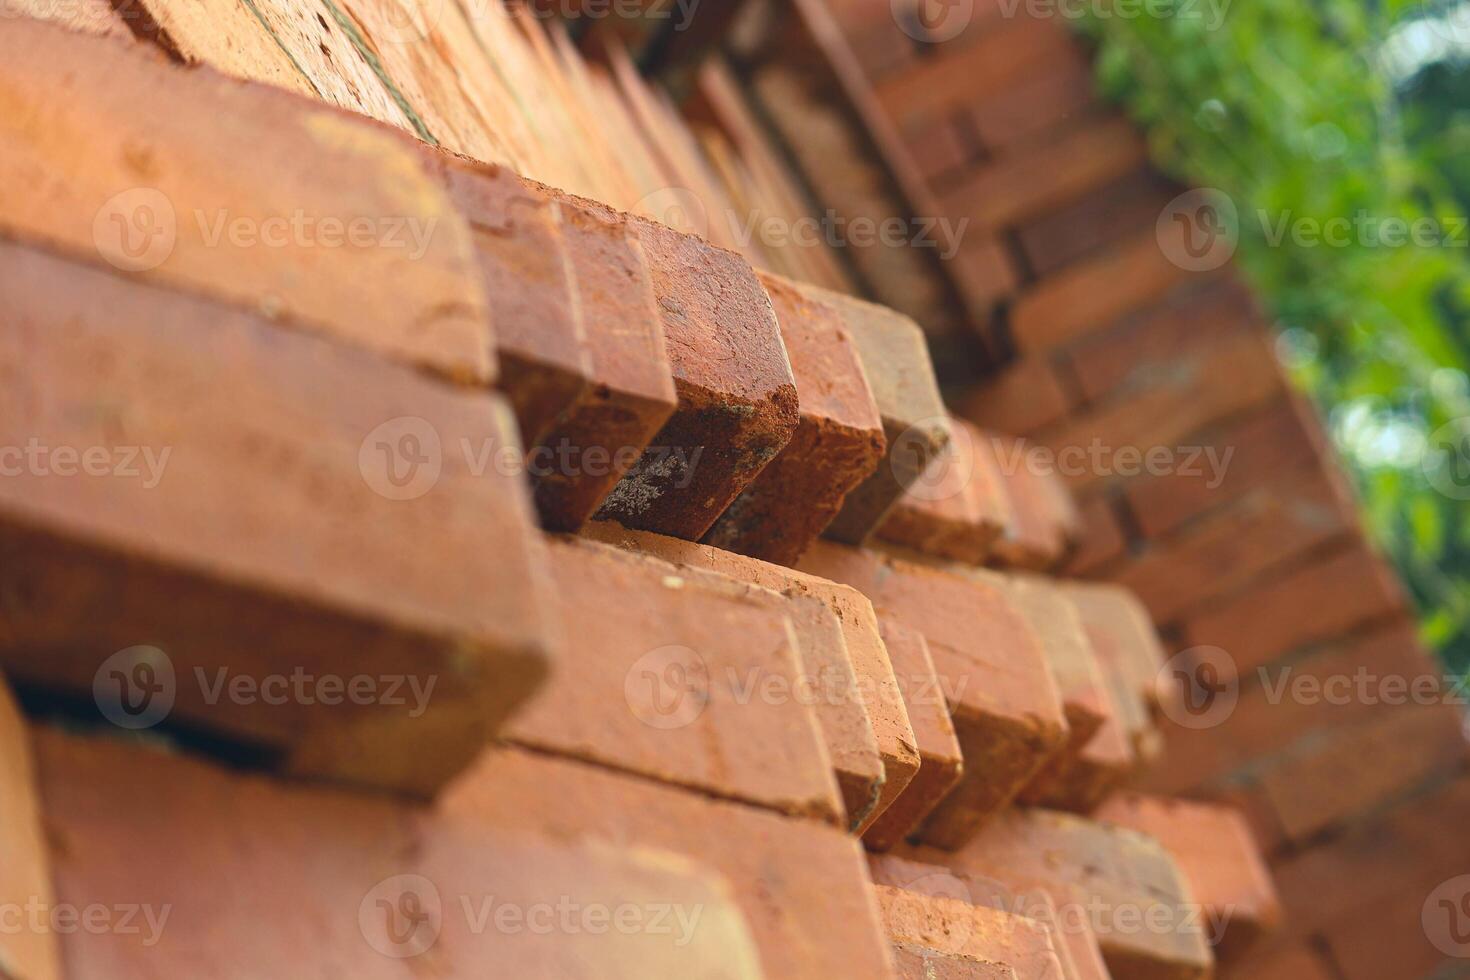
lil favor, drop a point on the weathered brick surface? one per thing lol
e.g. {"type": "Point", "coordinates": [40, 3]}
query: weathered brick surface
{"type": "Point", "coordinates": [877, 687]}
{"type": "Point", "coordinates": [665, 677]}
{"type": "Point", "coordinates": [373, 888]}
{"type": "Point", "coordinates": [281, 533]}
{"type": "Point", "coordinates": [941, 762]}
{"type": "Point", "coordinates": [89, 16]}
{"type": "Point", "coordinates": [838, 444]}
{"type": "Point", "coordinates": [801, 885]}
{"type": "Point", "coordinates": [600, 437]}
{"type": "Point", "coordinates": [737, 397]}
{"type": "Point", "coordinates": [146, 195]}
{"type": "Point", "coordinates": [1001, 694]}
{"type": "Point", "coordinates": [28, 950]}
{"type": "Point", "coordinates": [1120, 879]}
{"type": "Point", "coordinates": [901, 376]}
{"type": "Point", "coordinates": [922, 963]}
{"type": "Point", "coordinates": [959, 508]}
{"type": "Point", "coordinates": [1217, 856]}
{"type": "Point", "coordinates": [953, 926]}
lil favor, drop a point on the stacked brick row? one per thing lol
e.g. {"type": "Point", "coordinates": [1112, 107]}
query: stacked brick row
{"type": "Point", "coordinates": [1144, 370]}
{"type": "Point", "coordinates": [660, 720]}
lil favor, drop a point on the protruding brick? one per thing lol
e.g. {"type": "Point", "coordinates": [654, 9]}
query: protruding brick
{"type": "Point", "coordinates": [147, 196]}
{"type": "Point", "coordinates": [261, 504]}
{"type": "Point", "coordinates": [737, 397]}
{"type": "Point", "coordinates": [666, 678]}
{"type": "Point", "coordinates": [953, 926]}
{"type": "Point", "coordinates": [1001, 693]}
{"type": "Point", "coordinates": [27, 951]}
{"type": "Point", "coordinates": [89, 16]}
{"type": "Point", "coordinates": [895, 357]}
{"type": "Point", "coordinates": [385, 888]}
{"type": "Point", "coordinates": [801, 885]}
{"type": "Point", "coordinates": [1120, 879]}
{"type": "Point", "coordinates": [838, 444]}
{"type": "Point", "coordinates": [1219, 858]}
{"type": "Point", "coordinates": [1044, 521]}
{"type": "Point", "coordinates": [922, 963]}
{"type": "Point", "coordinates": [959, 509]}
{"type": "Point", "coordinates": [1130, 654]}
{"type": "Point", "coordinates": [876, 682]}
{"type": "Point", "coordinates": [940, 761]}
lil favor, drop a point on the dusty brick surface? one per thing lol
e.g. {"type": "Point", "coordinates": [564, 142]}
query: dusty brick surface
{"type": "Point", "coordinates": [1217, 856]}
{"type": "Point", "coordinates": [273, 539]}
{"type": "Point", "coordinates": [802, 885]}
{"type": "Point", "coordinates": [960, 507]}
{"type": "Point", "coordinates": [877, 685]}
{"type": "Point", "coordinates": [737, 396]}
{"type": "Point", "coordinates": [1116, 877]}
{"type": "Point", "coordinates": [901, 376]}
{"type": "Point", "coordinates": [28, 951]}
{"type": "Point", "coordinates": [146, 195]}
{"type": "Point", "coordinates": [661, 676]}
{"type": "Point", "coordinates": [941, 762]}
{"type": "Point", "coordinates": [921, 963]}
{"type": "Point", "coordinates": [376, 888]}
{"type": "Point", "coordinates": [1001, 694]}
{"type": "Point", "coordinates": [91, 16]}
{"type": "Point", "coordinates": [599, 438]}
{"type": "Point", "coordinates": [953, 926]}
{"type": "Point", "coordinates": [838, 444]}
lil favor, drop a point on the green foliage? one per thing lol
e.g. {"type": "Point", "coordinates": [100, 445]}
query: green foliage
{"type": "Point", "coordinates": [1306, 110]}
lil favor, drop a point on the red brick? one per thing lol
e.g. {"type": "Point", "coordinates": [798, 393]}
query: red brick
{"type": "Point", "coordinates": [1089, 296]}
{"type": "Point", "coordinates": [274, 540]}
{"type": "Point", "coordinates": [984, 271]}
{"type": "Point", "coordinates": [1025, 396]}
{"type": "Point", "coordinates": [1390, 940]}
{"type": "Point", "coordinates": [1055, 92]}
{"type": "Point", "coordinates": [89, 16]}
{"type": "Point", "coordinates": [900, 374]}
{"type": "Point", "coordinates": [599, 437]}
{"type": "Point", "coordinates": [941, 762]}
{"type": "Point", "coordinates": [1218, 858]}
{"type": "Point", "coordinates": [1130, 654]}
{"type": "Point", "coordinates": [838, 444]}
{"type": "Point", "coordinates": [1045, 520]}
{"type": "Point", "coordinates": [953, 926]}
{"type": "Point", "coordinates": [737, 397]}
{"type": "Point", "coordinates": [802, 885]}
{"type": "Point", "coordinates": [1080, 230]}
{"type": "Point", "coordinates": [959, 508]}
{"type": "Point", "coordinates": [287, 157]}
{"type": "Point", "coordinates": [1346, 589]}
{"type": "Point", "coordinates": [1001, 694]}
{"type": "Point", "coordinates": [938, 148]}
{"type": "Point", "coordinates": [654, 682]}
{"type": "Point", "coordinates": [1295, 962]}
{"type": "Point", "coordinates": [26, 952]}
{"type": "Point", "coordinates": [922, 963]}
{"type": "Point", "coordinates": [1116, 878]}
{"type": "Point", "coordinates": [1012, 190]}
{"type": "Point", "coordinates": [876, 682]}
{"type": "Point", "coordinates": [136, 827]}
{"type": "Point", "coordinates": [1101, 539]}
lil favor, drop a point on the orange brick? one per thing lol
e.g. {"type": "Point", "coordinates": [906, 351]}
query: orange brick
{"type": "Point", "coordinates": [90, 16]}
{"type": "Point", "coordinates": [280, 536]}
{"type": "Point", "coordinates": [1295, 962]}
{"type": "Point", "coordinates": [801, 885]}
{"type": "Point", "coordinates": [1218, 858]}
{"type": "Point", "coordinates": [27, 952]}
{"type": "Point", "coordinates": [952, 926]}
{"type": "Point", "coordinates": [838, 444]}
{"type": "Point", "coordinates": [1045, 521]}
{"type": "Point", "coordinates": [737, 397]}
{"type": "Point", "coordinates": [940, 759]}
{"type": "Point", "coordinates": [1101, 539]}
{"type": "Point", "coordinates": [876, 682]}
{"type": "Point", "coordinates": [663, 677]}
{"type": "Point", "coordinates": [1130, 654]}
{"type": "Point", "coordinates": [922, 963]}
{"type": "Point", "coordinates": [145, 161]}
{"type": "Point", "coordinates": [1025, 396]}
{"type": "Point", "coordinates": [959, 508]}
{"type": "Point", "coordinates": [1001, 694]}
{"type": "Point", "coordinates": [134, 826]}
